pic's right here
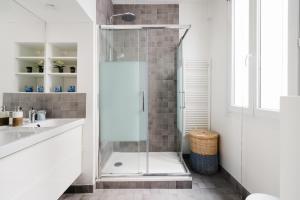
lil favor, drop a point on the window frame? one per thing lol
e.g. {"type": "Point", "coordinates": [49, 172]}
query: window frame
{"type": "Point", "coordinates": [258, 109]}
{"type": "Point", "coordinates": [231, 81]}
{"type": "Point", "coordinates": [254, 66]}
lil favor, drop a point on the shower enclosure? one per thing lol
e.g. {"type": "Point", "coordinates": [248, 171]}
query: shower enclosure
{"type": "Point", "coordinates": [141, 100]}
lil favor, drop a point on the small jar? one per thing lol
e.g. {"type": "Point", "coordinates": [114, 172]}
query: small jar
{"type": "Point", "coordinates": [16, 118]}
{"type": "Point", "coordinates": [4, 118]}
{"type": "Point", "coordinates": [41, 115]}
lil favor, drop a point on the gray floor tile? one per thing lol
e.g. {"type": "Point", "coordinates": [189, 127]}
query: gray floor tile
{"type": "Point", "coordinates": [204, 188]}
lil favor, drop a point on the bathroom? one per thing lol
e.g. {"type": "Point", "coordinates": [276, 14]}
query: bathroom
{"type": "Point", "coordinates": [99, 98]}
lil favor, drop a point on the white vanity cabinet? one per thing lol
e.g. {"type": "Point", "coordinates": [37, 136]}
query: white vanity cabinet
{"type": "Point", "coordinates": [44, 169]}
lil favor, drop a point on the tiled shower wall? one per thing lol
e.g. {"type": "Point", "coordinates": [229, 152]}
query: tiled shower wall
{"type": "Point", "coordinates": [161, 51]}
{"type": "Point", "coordinates": [148, 14]}
{"type": "Point", "coordinates": [64, 105]}
{"type": "Point", "coordinates": [104, 9]}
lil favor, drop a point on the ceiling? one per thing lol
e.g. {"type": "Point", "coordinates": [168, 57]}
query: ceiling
{"type": "Point", "coordinates": [56, 10]}
{"type": "Point", "coordinates": [13, 12]}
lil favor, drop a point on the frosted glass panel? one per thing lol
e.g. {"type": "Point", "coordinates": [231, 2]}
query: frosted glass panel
{"type": "Point", "coordinates": [120, 97]}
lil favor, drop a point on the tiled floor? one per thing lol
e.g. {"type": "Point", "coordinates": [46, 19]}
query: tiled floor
{"type": "Point", "coordinates": [204, 188]}
{"type": "Point", "coordinates": [133, 163]}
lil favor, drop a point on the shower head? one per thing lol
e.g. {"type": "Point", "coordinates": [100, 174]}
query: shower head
{"type": "Point", "coordinates": [128, 17]}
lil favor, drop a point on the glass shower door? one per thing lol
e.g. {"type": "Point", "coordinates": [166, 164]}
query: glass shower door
{"type": "Point", "coordinates": [123, 100]}
{"type": "Point", "coordinates": [180, 101]}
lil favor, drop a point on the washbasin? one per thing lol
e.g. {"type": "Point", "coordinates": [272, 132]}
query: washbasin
{"type": "Point", "coordinates": [49, 123]}
{"type": "Point", "coordinates": [10, 135]}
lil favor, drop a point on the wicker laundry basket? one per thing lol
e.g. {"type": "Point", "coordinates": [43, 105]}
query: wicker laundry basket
{"type": "Point", "coordinates": [204, 142]}
{"type": "Point", "coordinates": [204, 147]}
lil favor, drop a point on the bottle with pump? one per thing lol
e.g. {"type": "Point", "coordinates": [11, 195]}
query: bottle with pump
{"type": "Point", "coordinates": [16, 117]}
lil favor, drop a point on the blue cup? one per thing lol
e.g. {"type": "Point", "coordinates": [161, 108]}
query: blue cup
{"type": "Point", "coordinates": [72, 88]}
{"type": "Point", "coordinates": [28, 89]}
{"type": "Point", "coordinates": [40, 88]}
{"type": "Point", "coordinates": [58, 89]}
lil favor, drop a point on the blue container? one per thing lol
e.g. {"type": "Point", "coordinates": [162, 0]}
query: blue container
{"type": "Point", "coordinates": [204, 164]}
{"type": "Point", "coordinates": [28, 89]}
{"type": "Point", "coordinates": [72, 88]}
{"type": "Point", "coordinates": [58, 89]}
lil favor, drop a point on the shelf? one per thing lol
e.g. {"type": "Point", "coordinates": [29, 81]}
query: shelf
{"type": "Point", "coordinates": [62, 92]}
{"type": "Point", "coordinates": [63, 74]}
{"type": "Point", "coordinates": [63, 58]}
{"type": "Point", "coordinates": [63, 50]}
{"type": "Point", "coordinates": [29, 49]}
{"type": "Point", "coordinates": [31, 74]}
{"type": "Point", "coordinates": [32, 80]}
{"type": "Point", "coordinates": [46, 54]}
{"type": "Point", "coordinates": [68, 61]}
{"type": "Point", "coordinates": [64, 80]}
{"type": "Point", "coordinates": [31, 58]}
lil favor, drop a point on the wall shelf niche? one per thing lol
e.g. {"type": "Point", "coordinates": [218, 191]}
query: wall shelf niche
{"type": "Point", "coordinates": [31, 55]}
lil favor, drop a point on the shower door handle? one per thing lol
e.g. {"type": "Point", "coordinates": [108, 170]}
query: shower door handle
{"type": "Point", "coordinates": [183, 100]}
{"type": "Point", "coordinates": [143, 99]}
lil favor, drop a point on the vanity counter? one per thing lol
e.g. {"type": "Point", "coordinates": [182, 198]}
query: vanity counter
{"type": "Point", "coordinates": [40, 160]}
{"type": "Point", "coordinates": [14, 139]}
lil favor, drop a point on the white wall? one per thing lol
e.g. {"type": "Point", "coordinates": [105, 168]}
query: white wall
{"type": "Point", "coordinates": [260, 152]}
{"type": "Point", "coordinates": [20, 26]}
{"type": "Point", "coordinates": [289, 148]}
{"type": "Point", "coordinates": [293, 50]}
{"type": "Point", "coordinates": [85, 36]}
{"type": "Point", "coordinates": [89, 7]}
{"type": "Point", "coordinates": [259, 162]}
{"type": "Point", "coordinates": [17, 25]}
{"type": "Point", "coordinates": [196, 42]}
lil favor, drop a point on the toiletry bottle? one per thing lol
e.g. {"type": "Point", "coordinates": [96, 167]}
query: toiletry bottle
{"type": "Point", "coordinates": [32, 115]}
{"type": "Point", "coordinates": [17, 117]}
{"type": "Point", "coordinates": [4, 117]}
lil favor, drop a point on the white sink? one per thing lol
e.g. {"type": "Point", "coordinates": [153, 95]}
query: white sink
{"type": "Point", "coordinates": [13, 139]}
{"type": "Point", "coordinates": [49, 123]}
{"type": "Point", "coordinates": [11, 135]}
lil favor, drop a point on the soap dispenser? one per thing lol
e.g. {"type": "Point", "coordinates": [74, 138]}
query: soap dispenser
{"type": "Point", "coordinates": [4, 117]}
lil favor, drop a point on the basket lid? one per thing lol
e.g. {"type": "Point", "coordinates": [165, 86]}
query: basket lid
{"type": "Point", "coordinates": [203, 133]}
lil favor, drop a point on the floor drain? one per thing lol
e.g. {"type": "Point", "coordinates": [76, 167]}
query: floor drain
{"type": "Point", "coordinates": [118, 164]}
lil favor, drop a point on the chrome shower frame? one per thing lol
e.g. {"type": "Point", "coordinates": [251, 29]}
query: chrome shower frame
{"type": "Point", "coordinates": [185, 29]}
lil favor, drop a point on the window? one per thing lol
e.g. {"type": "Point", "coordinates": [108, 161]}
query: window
{"type": "Point", "coordinates": [265, 77]}
{"type": "Point", "coordinates": [240, 51]}
{"type": "Point", "coordinates": [272, 69]}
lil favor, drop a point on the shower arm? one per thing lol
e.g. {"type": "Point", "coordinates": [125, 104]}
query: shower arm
{"type": "Point", "coordinates": [115, 15]}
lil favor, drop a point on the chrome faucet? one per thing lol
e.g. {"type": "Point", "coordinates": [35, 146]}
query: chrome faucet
{"type": "Point", "coordinates": [3, 108]}
{"type": "Point", "coordinates": [32, 115]}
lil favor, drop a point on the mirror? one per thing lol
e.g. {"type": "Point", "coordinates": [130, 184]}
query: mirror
{"type": "Point", "coordinates": [22, 47]}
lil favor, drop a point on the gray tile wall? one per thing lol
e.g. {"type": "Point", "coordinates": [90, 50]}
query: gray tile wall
{"type": "Point", "coordinates": [129, 146]}
{"type": "Point", "coordinates": [148, 14]}
{"type": "Point", "coordinates": [61, 105]}
{"type": "Point", "coordinates": [161, 53]}
{"type": "Point", "coordinates": [104, 10]}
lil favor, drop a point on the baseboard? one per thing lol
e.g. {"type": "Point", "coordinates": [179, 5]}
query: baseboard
{"type": "Point", "coordinates": [243, 192]}
{"type": "Point", "coordinates": [80, 189]}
